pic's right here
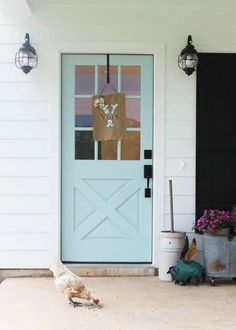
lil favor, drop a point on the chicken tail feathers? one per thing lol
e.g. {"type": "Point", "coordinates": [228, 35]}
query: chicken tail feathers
{"type": "Point", "coordinates": [192, 251]}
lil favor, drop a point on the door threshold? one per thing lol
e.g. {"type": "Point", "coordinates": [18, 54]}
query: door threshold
{"type": "Point", "coordinates": [99, 270]}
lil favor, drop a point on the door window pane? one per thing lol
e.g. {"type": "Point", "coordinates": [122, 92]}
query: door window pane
{"type": "Point", "coordinates": [130, 146]}
{"type": "Point", "coordinates": [102, 79]}
{"type": "Point", "coordinates": [85, 79]}
{"type": "Point", "coordinates": [133, 112]}
{"type": "Point", "coordinates": [131, 80]}
{"type": "Point", "coordinates": [107, 150]}
{"type": "Point", "coordinates": [84, 145]}
{"type": "Point", "coordinates": [83, 112]}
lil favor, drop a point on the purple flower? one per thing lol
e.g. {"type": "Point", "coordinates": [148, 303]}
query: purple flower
{"type": "Point", "coordinates": [213, 220]}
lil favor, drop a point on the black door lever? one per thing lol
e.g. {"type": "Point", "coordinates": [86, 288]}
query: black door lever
{"type": "Point", "coordinates": [148, 176]}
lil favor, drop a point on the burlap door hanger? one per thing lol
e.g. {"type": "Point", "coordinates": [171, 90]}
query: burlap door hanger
{"type": "Point", "coordinates": [109, 119]}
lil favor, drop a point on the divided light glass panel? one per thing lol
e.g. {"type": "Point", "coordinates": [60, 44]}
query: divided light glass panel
{"type": "Point", "coordinates": [84, 79]}
{"type": "Point", "coordinates": [131, 80]}
{"type": "Point", "coordinates": [130, 84]}
{"type": "Point", "coordinates": [83, 112]}
{"type": "Point", "coordinates": [84, 145]}
{"type": "Point", "coordinates": [133, 109]}
{"type": "Point", "coordinates": [130, 146]}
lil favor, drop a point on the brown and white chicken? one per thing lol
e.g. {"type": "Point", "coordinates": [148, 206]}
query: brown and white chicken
{"type": "Point", "coordinates": [70, 284]}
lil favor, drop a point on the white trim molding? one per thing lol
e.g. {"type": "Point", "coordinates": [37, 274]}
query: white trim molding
{"type": "Point", "coordinates": [156, 49]}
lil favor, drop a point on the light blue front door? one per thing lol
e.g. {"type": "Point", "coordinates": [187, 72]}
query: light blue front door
{"type": "Point", "coordinates": [105, 215]}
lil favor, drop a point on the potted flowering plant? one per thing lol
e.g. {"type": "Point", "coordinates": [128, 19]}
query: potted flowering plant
{"type": "Point", "coordinates": [214, 221]}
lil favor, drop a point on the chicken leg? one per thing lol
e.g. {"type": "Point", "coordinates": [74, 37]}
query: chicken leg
{"type": "Point", "coordinates": [75, 303]}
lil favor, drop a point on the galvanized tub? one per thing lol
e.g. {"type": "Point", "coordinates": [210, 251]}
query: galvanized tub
{"type": "Point", "coordinates": [219, 256]}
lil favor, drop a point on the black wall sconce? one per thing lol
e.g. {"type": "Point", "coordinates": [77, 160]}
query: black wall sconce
{"type": "Point", "coordinates": [26, 58]}
{"type": "Point", "coordinates": [188, 58]}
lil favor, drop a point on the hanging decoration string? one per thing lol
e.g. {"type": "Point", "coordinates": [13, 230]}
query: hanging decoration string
{"type": "Point", "coordinates": [108, 81]}
{"type": "Point", "coordinates": [108, 69]}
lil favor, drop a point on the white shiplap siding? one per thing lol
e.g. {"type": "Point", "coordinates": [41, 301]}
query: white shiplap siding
{"type": "Point", "coordinates": [24, 167]}
{"type": "Point", "coordinates": [180, 141]}
{"type": "Point", "coordinates": [30, 107]}
{"type": "Point", "coordinates": [25, 186]}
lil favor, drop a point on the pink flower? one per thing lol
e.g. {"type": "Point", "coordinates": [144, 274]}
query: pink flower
{"type": "Point", "coordinates": [212, 220]}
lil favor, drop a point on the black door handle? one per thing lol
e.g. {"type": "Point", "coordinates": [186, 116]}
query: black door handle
{"type": "Point", "coordinates": [148, 176]}
{"type": "Point", "coordinates": [148, 171]}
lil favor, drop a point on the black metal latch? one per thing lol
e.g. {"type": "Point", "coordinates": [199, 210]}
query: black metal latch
{"type": "Point", "coordinates": [148, 176]}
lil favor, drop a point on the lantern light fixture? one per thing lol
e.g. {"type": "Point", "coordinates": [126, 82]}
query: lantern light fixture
{"type": "Point", "coordinates": [188, 58]}
{"type": "Point", "coordinates": [26, 58]}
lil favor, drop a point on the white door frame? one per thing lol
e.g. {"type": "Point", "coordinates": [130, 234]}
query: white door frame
{"type": "Point", "coordinates": [158, 51]}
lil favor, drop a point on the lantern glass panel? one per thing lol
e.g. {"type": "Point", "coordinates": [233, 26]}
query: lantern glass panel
{"type": "Point", "coordinates": [190, 60]}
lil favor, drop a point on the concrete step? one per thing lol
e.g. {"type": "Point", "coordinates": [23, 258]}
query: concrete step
{"type": "Point", "coordinates": [9, 273]}
{"type": "Point", "coordinates": [112, 270]}
{"type": "Point", "coordinates": [85, 270]}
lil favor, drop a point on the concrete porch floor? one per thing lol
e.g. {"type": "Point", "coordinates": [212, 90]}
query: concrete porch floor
{"type": "Point", "coordinates": [129, 303]}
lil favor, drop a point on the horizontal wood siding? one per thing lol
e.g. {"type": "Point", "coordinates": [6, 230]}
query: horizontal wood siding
{"type": "Point", "coordinates": [180, 140]}
{"type": "Point", "coordinates": [24, 258]}
{"type": "Point", "coordinates": [29, 120]}
{"type": "Point", "coordinates": [25, 161]}
{"type": "Point", "coordinates": [25, 223]}
{"type": "Point", "coordinates": [25, 167]}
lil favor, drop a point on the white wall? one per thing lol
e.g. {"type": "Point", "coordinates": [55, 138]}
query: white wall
{"type": "Point", "coordinates": [29, 113]}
